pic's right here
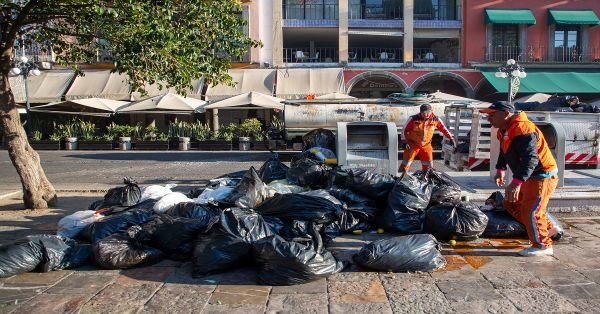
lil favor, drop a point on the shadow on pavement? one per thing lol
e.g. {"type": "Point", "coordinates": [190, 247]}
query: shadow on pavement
{"type": "Point", "coordinates": [177, 156]}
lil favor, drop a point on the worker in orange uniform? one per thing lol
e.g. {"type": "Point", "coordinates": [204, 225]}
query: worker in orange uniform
{"type": "Point", "coordinates": [524, 149]}
{"type": "Point", "coordinates": [418, 132]}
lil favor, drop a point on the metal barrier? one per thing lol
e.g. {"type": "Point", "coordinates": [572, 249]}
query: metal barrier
{"type": "Point", "coordinates": [371, 145]}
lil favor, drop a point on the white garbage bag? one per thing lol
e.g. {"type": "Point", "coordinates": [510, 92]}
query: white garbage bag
{"type": "Point", "coordinates": [156, 192]}
{"type": "Point", "coordinates": [213, 195]}
{"type": "Point", "coordinates": [70, 226]}
{"type": "Point", "coordinates": [170, 200]}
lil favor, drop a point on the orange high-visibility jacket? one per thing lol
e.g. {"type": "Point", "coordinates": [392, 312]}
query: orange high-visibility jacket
{"type": "Point", "coordinates": [419, 130]}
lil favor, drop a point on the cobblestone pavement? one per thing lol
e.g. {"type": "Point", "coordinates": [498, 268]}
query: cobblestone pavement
{"type": "Point", "coordinates": [481, 276]}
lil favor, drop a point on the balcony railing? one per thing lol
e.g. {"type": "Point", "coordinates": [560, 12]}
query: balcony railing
{"type": "Point", "coordinates": [310, 11]}
{"type": "Point", "coordinates": [377, 55]}
{"type": "Point", "coordinates": [436, 12]}
{"type": "Point", "coordinates": [428, 55]}
{"type": "Point", "coordinates": [543, 54]}
{"type": "Point", "coordinates": [35, 53]}
{"type": "Point", "coordinates": [368, 12]}
{"type": "Point", "coordinates": [303, 54]}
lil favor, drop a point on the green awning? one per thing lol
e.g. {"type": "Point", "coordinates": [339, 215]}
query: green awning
{"type": "Point", "coordinates": [584, 17]}
{"type": "Point", "coordinates": [549, 81]}
{"type": "Point", "coordinates": [509, 16]}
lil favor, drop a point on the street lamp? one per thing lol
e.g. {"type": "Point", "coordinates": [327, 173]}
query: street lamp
{"type": "Point", "coordinates": [514, 72]}
{"type": "Point", "coordinates": [25, 68]}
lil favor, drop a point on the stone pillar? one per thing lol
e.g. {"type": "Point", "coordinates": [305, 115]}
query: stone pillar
{"type": "Point", "coordinates": [343, 31]}
{"type": "Point", "coordinates": [409, 30]}
{"type": "Point", "coordinates": [215, 119]}
{"type": "Point", "coordinates": [265, 31]}
{"type": "Point", "coordinates": [277, 33]}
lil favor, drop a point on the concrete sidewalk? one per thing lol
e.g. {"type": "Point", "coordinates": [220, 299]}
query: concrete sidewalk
{"type": "Point", "coordinates": [483, 276]}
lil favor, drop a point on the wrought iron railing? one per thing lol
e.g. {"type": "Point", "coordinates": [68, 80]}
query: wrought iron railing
{"type": "Point", "coordinates": [310, 11]}
{"type": "Point", "coordinates": [304, 54]}
{"type": "Point", "coordinates": [429, 55]}
{"type": "Point", "coordinates": [369, 12]}
{"type": "Point", "coordinates": [543, 54]}
{"type": "Point", "coordinates": [378, 55]}
{"type": "Point", "coordinates": [35, 53]}
{"type": "Point", "coordinates": [425, 10]}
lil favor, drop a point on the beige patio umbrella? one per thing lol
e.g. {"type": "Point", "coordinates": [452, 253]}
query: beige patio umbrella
{"type": "Point", "coordinates": [335, 95]}
{"type": "Point", "coordinates": [244, 101]}
{"type": "Point", "coordinates": [84, 106]}
{"type": "Point", "coordinates": [539, 97]}
{"type": "Point", "coordinates": [165, 103]}
{"type": "Point", "coordinates": [445, 96]}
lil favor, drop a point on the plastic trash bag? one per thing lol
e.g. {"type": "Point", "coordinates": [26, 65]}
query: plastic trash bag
{"type": "Point", "coordinates": [356, 202]}
{"type": "Point", "coordinates": [127, 195]}
{"type": "Point", "coordinates": [323, 194]}
{"type": "Point", "coordinates": [282, 262]}
{"type": "Point", "coordinates": [43, 253]}
{"type": "Point", "coordinates": [229, 244]}
{"type": "Point", "coordinates": [371, 184]}
{"type": "Point", "coordinates": [457, 221]}
{"type": "Point", "coordinates": [417, 252]}
{"type": "Point", "coordinates": [294, 230]}
{"type": "Point", "coordinates": [560, 231]}
{"type": "Point", "coordinates": [406, 203]}
{"type": "Point", "coordinates": [113, 224]}
{"type": "Point", "coordinates": [218, 195]}
{"type": "Point", "coordinates": [502, 225]}
{"type": "Point", "coordinates": [319, 138]}
{"type": "Point", "coordinates": [69, 226]}
{"type": "Point", "coordinates": [257, 192]}
{"type": "Point", "coordinates": [444, 190]}
{"type": "Point", "coordinates": [319, 153]}
{"type": "Point", "coordinates": [174, 235]}
{"type": "Point", "coordinates": [248, 181]}
{"type": "Point", "coordinates": [156, 192]}
{"type": "Point", "coordinates": [168, 201]}
{"type": "Point", "coordinates": [283, 187]}
{"type": "Point", "coordinates": [494, 202]}
{"type": "Point", "coordinates": [308, 172]}
{"type": "Point", "coordinates": [193, 210]}
{"type": "Point", "coordinates": [273, 169]}
{"type": "Point", "coordinates": [121, 251]}
{"type": "Point", "coordinates": [300, 207]}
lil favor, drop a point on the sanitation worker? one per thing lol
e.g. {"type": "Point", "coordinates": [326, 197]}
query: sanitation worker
{"type": "Point", "coordinates": [418, 132]}
{"type": "Point", "coordinates": [524, 149]}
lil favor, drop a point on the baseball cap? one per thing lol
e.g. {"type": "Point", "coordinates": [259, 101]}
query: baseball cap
{"type": "Point", "coordinates": [499, 106]}
{"type": "Point", "coordinates": [425, 107]}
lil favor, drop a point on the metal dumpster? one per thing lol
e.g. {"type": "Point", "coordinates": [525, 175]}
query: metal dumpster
{"type": "Point", "coordinates": [371, 145]}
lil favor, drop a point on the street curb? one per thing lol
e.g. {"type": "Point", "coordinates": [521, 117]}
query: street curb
{"type": "Point", "coordinates": [9, 194]}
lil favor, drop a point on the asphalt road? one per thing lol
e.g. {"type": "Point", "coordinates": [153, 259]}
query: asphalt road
{"type": "Point", "coordinates": [99, 170]}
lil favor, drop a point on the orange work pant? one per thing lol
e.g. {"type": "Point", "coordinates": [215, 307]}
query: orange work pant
{"type": "Point", "coordinates": [530, 209]}
{"type": "Point", "coordinates": [425, 155]}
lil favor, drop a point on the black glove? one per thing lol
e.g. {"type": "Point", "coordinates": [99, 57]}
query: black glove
{"type": "Point", "coordinates": [453, 143]}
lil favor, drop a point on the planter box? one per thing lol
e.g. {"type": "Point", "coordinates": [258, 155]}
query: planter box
{"type": "Point", "coordinates": [46, 145]}
{"type": "Point", "coordinates": [151, 145]}
{"type": "Point", "coordinates": [95, 145]}
{"type": "Point", "coordinates": [259, 145]}
{"type": "Point", "coordinates": [212, 145]}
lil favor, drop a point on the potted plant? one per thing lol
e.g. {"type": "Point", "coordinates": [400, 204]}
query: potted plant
{"type": "Point", "coordinates": [124, 133]}
{"type": "Point", "coordinates": [200, 133]}
{"type": "Point", "coordinates": [39, 143]}
{"type": "Point", "coordinates": [149, 138]}
{"type": "Point", "coordinates": [276, 134]}
{"type": "Point", "coordinates": [69, 132]}
{"type": "Point", "coordinates": [221, 139]}
{"type": "Point", "coordinates": [252, 135]}
{"type": "Point", "coordinates": [88, 139]}
{"type": "Point", "coordinates": [181, 133]}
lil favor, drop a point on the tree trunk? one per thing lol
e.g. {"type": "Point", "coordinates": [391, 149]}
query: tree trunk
{"type": "Point", "coordinates": [38, 192]}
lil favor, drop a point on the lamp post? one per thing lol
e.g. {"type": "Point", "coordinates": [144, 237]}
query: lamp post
{"type": "Point", "coordinates": [514, 72]}
{"type": "Point", "coordinates": [25, 68]}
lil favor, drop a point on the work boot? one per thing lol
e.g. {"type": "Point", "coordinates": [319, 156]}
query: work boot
{"type": "Point", "coordinates": [534, 251]}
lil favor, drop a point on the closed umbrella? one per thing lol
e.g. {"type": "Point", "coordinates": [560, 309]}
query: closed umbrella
{"type": "Point", "coordinates": [84, 106]}
{"type": "Point", "coordinates": [165, 103]}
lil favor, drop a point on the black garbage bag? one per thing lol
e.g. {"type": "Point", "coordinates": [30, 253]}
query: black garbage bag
{"type": "Point", "coordinates": [496, 201]}
{"type": "Point", "coordinates": [363, 181]}
{"type": "Point", "coordinates": [43, 253]}
{"type": "Point", "coordinates": [444, 190]}
{"type": "Point", "coordinates": [457, 221]}
{"type": "Point", "coordinates": [308, 172]}
{"type": "Point", "coordinates": [96, 205]}
{"type": "Point", "coordinates": [319, 138]}
{"type": "Point", "coordinates": [560, 230]}
{"type": "Point", "coordinates": [300, 207]}
{"type": "Point", "coordinates": [357, 203]}
{"type": "Point", "coordinates": [417, 252]}
{"type": "Point", "coordinates": [273, 169]}
{"type": "Point", "coordinates": [229, 243]}
{"type": "Point", "coordinates": [406, 203]}
{"type": "Point", "coordinates": [127, 195]}
{"type": "Point", "coordinates": [175, 235]}
{"type": "Point", "coordinates": [502, 225]}
{"type": "Point", "coordinates": [193, 210]}
{"type": "Point", "coordinates": [281, 262]}
{"type": "Point", "coordinates": [99, 230]}
{"type": "Point", "coordinates": [122, 250]}
{"type": "Point", "coordinates": [248, 181]}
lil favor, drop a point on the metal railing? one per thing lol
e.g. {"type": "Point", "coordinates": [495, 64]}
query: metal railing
{"type": "Point", "coordinates": [543, 54]}
{"type": "Point", "coordinates": [34, 53]}
{"type": "Point", "coordinates": [429, 55]}
{"type": "Point", "coordinates": [375, 55]}
{"type": "Point", "coordinates": [368, 12]}
{"type": "Point", "coordinates": [304, 54]}
{"type": "Point", "coordinates": [427, 11]}
{"type": "Point", "coordinates": [310, 11]}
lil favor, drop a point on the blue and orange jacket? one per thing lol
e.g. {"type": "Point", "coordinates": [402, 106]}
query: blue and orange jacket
{"type": "Point", "coordinates": [525, 150]}
{"type": "Point", "coordinates": [418, 130]}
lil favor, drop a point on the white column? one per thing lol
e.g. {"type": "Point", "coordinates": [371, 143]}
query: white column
{"type": "Point", "coordinates": [277, 32]}
{"type": "Point", "coordinates": [343, 30]}
{"type": "Point", "coordinates": [409, 30]}
{"type": "Point", "coordinates": [265, 30]}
